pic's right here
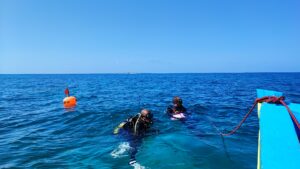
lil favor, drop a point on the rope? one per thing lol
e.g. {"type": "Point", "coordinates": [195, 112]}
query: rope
{"type": "Point", "coordinates": [267, 99]}
{"type": "Point", "coordinates": [291, 114]}
{"type": "Point", "coordinates": [241, 122]}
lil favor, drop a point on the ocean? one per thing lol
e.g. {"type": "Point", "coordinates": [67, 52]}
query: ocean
{"type": "Point", "coordinates": [36, 131]}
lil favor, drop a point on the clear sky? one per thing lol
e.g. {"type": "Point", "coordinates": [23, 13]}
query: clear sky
{"type": "Point", "coordinates": [143, 36]}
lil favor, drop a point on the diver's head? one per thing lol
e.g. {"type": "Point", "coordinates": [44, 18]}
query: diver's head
{"type": "Point", "coordinates": [146, 116]}
{"type": "Point", "coordinates": [177, 101]}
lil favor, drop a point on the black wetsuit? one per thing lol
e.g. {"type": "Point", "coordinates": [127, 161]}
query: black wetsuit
{"type": "Point", "coordinates": [140, 128]}
{"type": "Point", "coordinates": [189, 121]}
{"type": "Point", "coordinates": [135, 137]}
{"type": "Point", "coordinates": [171, 110]}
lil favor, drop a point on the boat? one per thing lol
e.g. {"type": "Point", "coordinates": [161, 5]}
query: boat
{"type": "Point", "coordinates": [279, 136]}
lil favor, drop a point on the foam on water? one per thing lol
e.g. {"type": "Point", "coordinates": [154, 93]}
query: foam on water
{"type": "Point", "coordinates": [137, 166]}
{"type": "Point", "coordinates": [121, 150]}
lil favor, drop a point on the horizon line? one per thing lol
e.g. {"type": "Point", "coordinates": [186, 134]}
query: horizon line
{"type": "Point", "coordinates": [141, 73]}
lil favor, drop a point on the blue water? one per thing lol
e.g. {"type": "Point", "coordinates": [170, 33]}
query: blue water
{"type": "Point", "coordinates": [37, 132]}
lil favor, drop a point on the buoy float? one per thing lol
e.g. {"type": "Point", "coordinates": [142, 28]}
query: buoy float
{"type": "Point", "coordinates": [69, 101]}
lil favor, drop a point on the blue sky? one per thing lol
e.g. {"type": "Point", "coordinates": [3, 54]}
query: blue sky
{"type": "Point", "coordinates": [53, 36]}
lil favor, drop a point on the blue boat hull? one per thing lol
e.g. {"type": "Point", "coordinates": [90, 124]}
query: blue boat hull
{"type": "Point", "coordinates": [278, 145]}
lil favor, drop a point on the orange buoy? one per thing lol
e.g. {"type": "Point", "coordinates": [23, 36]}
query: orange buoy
{"type": "Point", "coordinates": [69, 101]}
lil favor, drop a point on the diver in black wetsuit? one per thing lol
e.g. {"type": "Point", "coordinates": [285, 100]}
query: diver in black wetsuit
{"type": "Point", "coordinates": [189, 120]}
{"type": "Point", "coordinates": [136, 127]}
{"type": "Point", "coordinates": [177, 107]}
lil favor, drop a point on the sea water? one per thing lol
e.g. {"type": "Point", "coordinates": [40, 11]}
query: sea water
{"type": "Point", "coordinates": [37, 132]}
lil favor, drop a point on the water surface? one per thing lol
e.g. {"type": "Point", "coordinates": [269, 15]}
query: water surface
{"type": "Point", "coordinates": [37, 132]}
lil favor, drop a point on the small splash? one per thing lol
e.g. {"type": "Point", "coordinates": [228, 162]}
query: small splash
{"type": "Point", "coordinates": [119, 152]}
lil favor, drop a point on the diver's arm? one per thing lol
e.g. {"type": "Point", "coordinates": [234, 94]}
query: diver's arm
{"type": "Point", "coordinates": [121, 125]}
{"type": "Point", "coordinates": [169, 110]}
{"type": "Point", "coordinates": [124, 125]}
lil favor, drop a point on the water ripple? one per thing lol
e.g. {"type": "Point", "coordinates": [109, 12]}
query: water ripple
{"type": "Point", "coordinates": [37, 132]}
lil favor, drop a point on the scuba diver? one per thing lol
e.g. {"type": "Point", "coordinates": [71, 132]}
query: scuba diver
{"type": "Point", "coordinates": [136, 128]}
{"type": "Point", "coordinates": [177, 110]}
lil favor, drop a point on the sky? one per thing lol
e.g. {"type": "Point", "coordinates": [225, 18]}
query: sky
{"type": "Point", "coordinates": [149, 36]}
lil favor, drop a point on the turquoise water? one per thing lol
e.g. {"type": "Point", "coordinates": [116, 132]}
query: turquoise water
{"type": "Point", "coordinates": [37, 132]}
